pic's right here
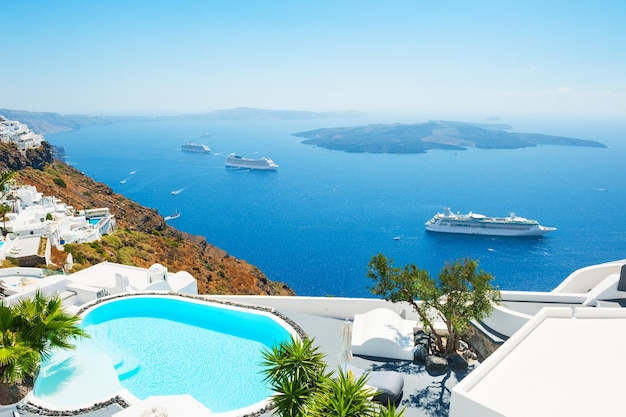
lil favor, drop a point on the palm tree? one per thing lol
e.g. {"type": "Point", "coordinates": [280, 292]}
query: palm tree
{"type": "Point", "coordinates": [17, 358]}
{"type": "Point", "coordinates": [44, 324]}
{"type": "Point", "coordinates": [30, 330]}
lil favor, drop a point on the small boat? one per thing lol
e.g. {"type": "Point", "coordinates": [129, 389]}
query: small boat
{"type": "Point", "coordinates": [132, 172]}
{"type": "Point", "coordinates": [396, 238]}
{"type": "Point", "coordinates": [123, 181]}
{"type": "Point", "coordinates": [172, 216]}
{"type": "Point", "coordinates": [176, 192]}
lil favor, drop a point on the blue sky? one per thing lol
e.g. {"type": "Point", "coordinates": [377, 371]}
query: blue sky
{"type": "Point", "coordinates": [483, 58]}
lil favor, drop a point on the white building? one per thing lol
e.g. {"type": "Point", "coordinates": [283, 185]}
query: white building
{"type": "Point", "coordinates": [12, 131]}
{"type": "Point", "coordinates": [563, 355]}
{"type": "Point", "coordinates": [98, 281]}
{"type": "Point", "coordinates": [38, 217]}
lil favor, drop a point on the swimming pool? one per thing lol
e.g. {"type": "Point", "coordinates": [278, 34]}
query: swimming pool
{"type": "Point", "coordinates": [164, 345]}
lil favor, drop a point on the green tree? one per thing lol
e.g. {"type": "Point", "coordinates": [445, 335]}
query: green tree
{"type": "Point", "coordinates": [30, 330]}
{"type": "Point", "coordinates": [4, 210]}
{"type": "Point", "coordinates": [459, 295]}
{"type": "Point", "coordinates": [5, 178]}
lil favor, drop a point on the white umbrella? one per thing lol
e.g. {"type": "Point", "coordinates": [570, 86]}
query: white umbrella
{"type": "Point", "coordinates": [346, 343]}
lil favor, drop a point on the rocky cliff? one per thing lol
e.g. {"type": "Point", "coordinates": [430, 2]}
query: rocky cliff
{"type": "Point", "coordinates": [143, 237]}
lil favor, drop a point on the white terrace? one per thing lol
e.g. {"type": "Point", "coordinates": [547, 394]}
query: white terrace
{"type": "Point", "coordinates": [554, 362]}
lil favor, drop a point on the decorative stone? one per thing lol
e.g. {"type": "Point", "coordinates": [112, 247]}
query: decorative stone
{"type": "Point", "coordinates": [463, 346]}
{"type": "Point", "coordinates": [469, 355]}
{"type": "Point", "coordinates": [436, 363]}
{"type": "Point", "coordinates": [420, 353]}
{"type": "Point", "coordinates": [456, 361]}
{"type": "Point", "coordinates": [422, 338]}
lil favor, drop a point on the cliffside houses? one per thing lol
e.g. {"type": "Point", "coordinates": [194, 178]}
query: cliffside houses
{"type": "Point", "coordinates": [37, 222]}
{"type": "Point", "coordinates": [12, 131]}
{"type": "Point", "coordinates": [91, 284]}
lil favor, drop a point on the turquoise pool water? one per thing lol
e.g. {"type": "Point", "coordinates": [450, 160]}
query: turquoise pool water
{"type": "Point", "coordinates": [164, 346]}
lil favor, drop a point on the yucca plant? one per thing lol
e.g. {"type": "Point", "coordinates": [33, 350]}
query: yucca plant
{"type": "Point", "coordinates": [343, 396]}
{"type": "Point", "coordinates": [390, 411]}
{"type": "Point", "coordinates": [295, 370]}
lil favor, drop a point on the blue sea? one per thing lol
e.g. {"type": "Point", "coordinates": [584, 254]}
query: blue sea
{"type": "Point", "coordinates": [316, 222]}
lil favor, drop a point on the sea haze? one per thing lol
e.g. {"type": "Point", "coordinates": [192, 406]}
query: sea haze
{"type": "Point", "coordinates": [316, 222]}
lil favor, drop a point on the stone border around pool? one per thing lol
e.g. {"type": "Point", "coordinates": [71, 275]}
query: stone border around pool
{"type": "Point", "coordinates": [42, 411]}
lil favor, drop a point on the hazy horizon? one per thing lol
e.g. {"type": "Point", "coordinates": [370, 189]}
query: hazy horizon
{"type": "Point", "coordinates": [455, 60]}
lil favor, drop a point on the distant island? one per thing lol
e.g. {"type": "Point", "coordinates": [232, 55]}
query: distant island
{"type": "Point", "coordinates": [47, 122]}
{"type": "Point", "coordinates": [435, 134]}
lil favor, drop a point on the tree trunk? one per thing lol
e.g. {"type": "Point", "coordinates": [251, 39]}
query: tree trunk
{"type": "Point", "coordinates": [12, 393]}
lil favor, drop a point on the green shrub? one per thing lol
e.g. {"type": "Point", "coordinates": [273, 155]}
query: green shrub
{"type": "Point", "coordinates": [59, 181]}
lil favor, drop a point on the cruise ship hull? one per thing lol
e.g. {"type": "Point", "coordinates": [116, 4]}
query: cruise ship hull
{"type": "Point", "coordinates": [478, 230]}
{"type": "Point", "coordinates": [477, 224]}
{"type": "Point", "coordinates": [235, 161]}
{"type": "Point", "coordinates": [195, 147]}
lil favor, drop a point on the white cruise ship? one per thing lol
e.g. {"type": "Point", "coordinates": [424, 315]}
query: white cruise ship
{"type": "Point", "coordinates": [477, 224]}
{"type": "Point", "coordinates": [195, 147]}
{"type": "Point", "coordinates": [236, 161]}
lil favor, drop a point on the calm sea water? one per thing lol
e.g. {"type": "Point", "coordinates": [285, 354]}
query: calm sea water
{"type": "Point", "coordinates": [128, 335]}
{"type": "Point", "coordinates": [317, 221]}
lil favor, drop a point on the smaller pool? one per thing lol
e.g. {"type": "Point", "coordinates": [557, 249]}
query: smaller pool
{"type": "Point", "coordinates": [94, 221]}
{"type": "Point", "coordinates": [165, 345]}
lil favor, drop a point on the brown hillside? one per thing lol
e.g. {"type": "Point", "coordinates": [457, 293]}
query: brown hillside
{"type": "Point", "coordinates": [143, 237]}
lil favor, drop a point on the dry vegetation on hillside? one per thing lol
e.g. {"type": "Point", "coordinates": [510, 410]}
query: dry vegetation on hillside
{"type": "Point", "coordinates": [143, 237]}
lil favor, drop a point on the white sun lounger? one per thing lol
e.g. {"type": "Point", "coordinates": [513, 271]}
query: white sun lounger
{"type": "Point", "coordinates": [383, 333]}
{"type": "Point", "coordinates": [387, 384]}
